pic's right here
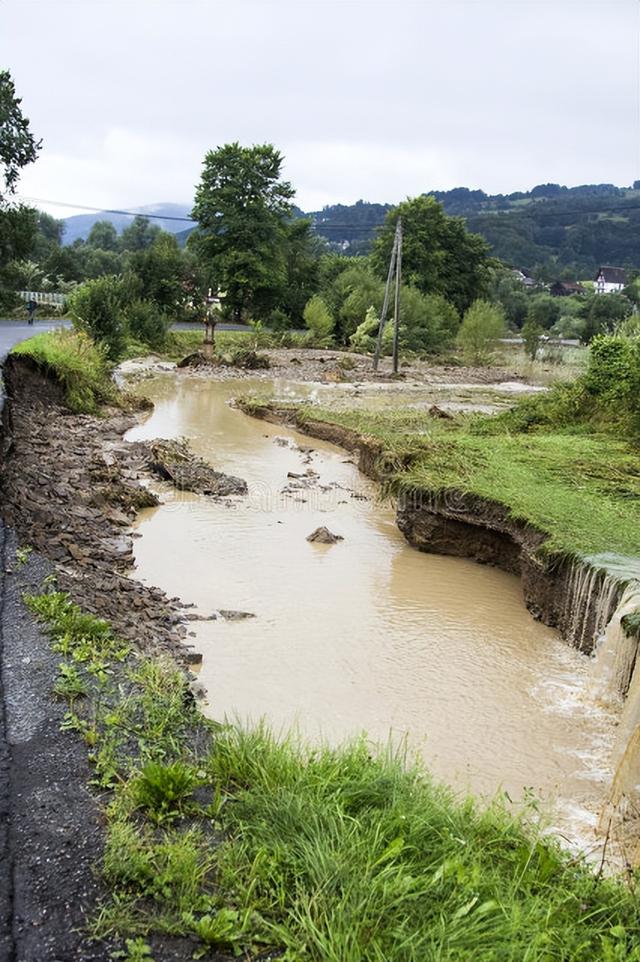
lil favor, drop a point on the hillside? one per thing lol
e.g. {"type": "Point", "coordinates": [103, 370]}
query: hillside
{"type": "Point", "coordinates": [549, 231]}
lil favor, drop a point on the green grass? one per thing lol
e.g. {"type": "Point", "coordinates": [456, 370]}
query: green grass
{"type": "Point", "coordinates": [581, 489]}
{"type": "Point", "coordinates": [247, 844]}
{"type": "Point", "coordinates": [77, 363]}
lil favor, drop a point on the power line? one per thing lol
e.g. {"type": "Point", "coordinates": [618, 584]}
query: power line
{"type": "Point", "coordinates": [531, 209]}
{"type": "Point", "coordinates": [107, 210]}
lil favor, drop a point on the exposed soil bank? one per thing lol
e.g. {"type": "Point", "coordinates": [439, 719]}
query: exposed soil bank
{"type": "Point", "coordinates": [71, 488]}
{"type": "Point", "coordinates": [466, 526]}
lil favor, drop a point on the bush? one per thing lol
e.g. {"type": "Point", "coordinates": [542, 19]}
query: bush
{"type": "Point", "coordinates": [279, 321]}
{"type": "Point", "coordinates": [319, 321]}
{"type": "Point", "coordinates": [146, 322]}
{"type": "Point", "coordinates": [482, 325]}
{"type": "Point", "coordinates": [531, 334]}
{"type": "Point", "coordinates": [607, 395]}
{"type": "Point", "coordinates": [429, 322]}
{"type": "Point", "coordinates": [98, 308]}
{"type": "Point", "coordinates": [428, 325]}
{"type": "Point", "coordinates": [363, 340]}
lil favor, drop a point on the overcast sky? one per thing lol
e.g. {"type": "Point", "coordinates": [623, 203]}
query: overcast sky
{"type": "Point", "coordinates": [373, 100]}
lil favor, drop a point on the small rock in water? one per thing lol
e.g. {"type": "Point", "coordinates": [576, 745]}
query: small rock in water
{"type": "Point", "coordinates": [322, 535]}
{"type": "Point", "coordinates": [229, 615]}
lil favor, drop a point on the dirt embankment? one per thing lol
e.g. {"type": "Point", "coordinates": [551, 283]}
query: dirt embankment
{"type": "Point", "coordinates": [71, 488]}
{"type": "Point", "coordinates": [466, 526]}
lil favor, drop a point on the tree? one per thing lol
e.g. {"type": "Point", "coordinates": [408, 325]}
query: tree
{"type": "Point", "coordinates": [242, 207]}
{"type": "Point", "coordinates": [482, 325]}
{"type": "Point", "coordinates": [103, 235]}
{"type": "Point", "coordinates": [439, 255]}
{"type": "Point", "coordinates": [302, 253]}
{"type": "Point", "coordinates": [161, 271]}
{"type": "Point", "coordinates": [18, 147]}
{"type": "Point", "coordinates": [603, 312]}
{"type": "Point", "coordinates": [544, 310]}
{"type": "Point", "coordinates": [139, 235]}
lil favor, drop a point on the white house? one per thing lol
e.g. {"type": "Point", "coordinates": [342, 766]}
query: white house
{"type": "Point", "coordinates": [610, 280]}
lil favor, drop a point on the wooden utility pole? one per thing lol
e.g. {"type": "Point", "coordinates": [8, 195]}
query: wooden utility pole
{"type": "Point", "coordinates": [397, 246]}
{"type": "Point", "coordinates": [396, 319]}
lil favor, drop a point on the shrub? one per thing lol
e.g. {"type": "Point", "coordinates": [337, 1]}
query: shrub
{"type": "Point", "coordinates": [279, 321]}
{"type": "Point", "coordinates": [147, 323]}
{"type": "Point", "coordinates": [319, 321]}
{"type": "Point", "coordinates": [482, 325]}
{"type": "Point", "coordinates": [531, 334]}
{"type": "Point", "coordinates": [363, 339]}
{"type": "Point", "coordinates": [98, 308]}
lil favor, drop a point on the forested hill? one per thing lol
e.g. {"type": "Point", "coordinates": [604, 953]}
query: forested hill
{"type": "Point", "coordinates": [550, 231]}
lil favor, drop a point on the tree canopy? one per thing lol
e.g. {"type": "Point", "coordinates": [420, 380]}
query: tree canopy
{"type": "Point", "coordinates": [18, 146]}
{"type": "Point", "coordinates": [242, 207]}
{"type": "Point", "coordinates": [439, 255]}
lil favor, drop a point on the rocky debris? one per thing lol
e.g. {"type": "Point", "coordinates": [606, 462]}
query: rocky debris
{"type": "Point", "coordinates": [437, 412]}
{"type": "Point", "coordinates": [322, 535]}
{"type": "Point", "coordinates": [71, 488]}
{"type": "Point", "coordinates": [197, 359]}
{"type": "Point", "coordinates": [246, 359]}
{"type": "Point", "coordinates": [173, 461]}
{"type": "Point", "coordinates": [230, 615]}
{"type": "Point", "coordinates": [282, 442]}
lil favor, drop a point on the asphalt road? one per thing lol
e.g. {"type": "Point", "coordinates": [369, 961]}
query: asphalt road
{"type": "Point", "coordinates": [12, 332]}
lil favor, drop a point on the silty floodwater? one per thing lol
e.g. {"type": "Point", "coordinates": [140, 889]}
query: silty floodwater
{"type": "Point", "coordinates": [368, 634]}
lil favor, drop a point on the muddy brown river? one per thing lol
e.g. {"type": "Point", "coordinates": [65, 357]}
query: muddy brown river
{"type": "Point", "coordinates": [367, 634]}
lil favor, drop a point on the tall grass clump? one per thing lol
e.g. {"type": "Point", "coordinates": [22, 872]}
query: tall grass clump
{"type": "Point", "coordinates": [77, 362]}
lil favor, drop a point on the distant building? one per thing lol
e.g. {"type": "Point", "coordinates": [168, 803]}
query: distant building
{"type": "Point", "coordinates": [566, 288]}
{"type": "Point", "coordinates": [610, 280]}
{"type": "Point", "coordinates": [524, 277]}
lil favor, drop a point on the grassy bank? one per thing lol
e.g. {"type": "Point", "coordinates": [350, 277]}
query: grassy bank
{"type": "Point", "coordinates": [78, 364]}
{"type": "Point", "coordinates": [582, 489]}
{"type": "Point", "coordinates": [242, 844]}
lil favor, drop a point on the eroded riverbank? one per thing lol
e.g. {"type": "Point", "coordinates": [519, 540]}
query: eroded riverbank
{"type": "Point", "coordinates": [368, 634]}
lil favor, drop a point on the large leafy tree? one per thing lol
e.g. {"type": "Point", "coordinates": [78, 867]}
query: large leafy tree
{"type": "Point", "coordinates": [242, 207]}
{"type": "Point", "coordinates": [439, 256]}
{"type": "Point", "coordinates": [139, 235]}
{"type": "Point", "coordinates": [18, 148]}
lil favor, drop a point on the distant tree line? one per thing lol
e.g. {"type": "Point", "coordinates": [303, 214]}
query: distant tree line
{"type": "Point", "coordinates": [271, 266]}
